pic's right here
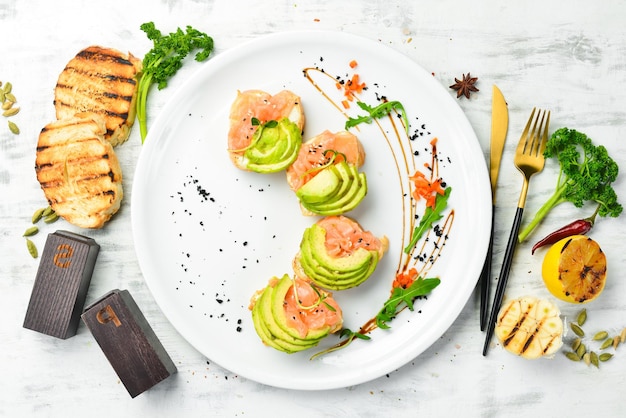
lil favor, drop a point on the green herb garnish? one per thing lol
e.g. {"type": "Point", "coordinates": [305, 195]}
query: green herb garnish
{"type": "Point", "coordinates": [164, 60]}
{"type": "Point", "coordinates": [321, 298]}
{"type": "Point", "coordinates": [430, 216]}
{"type": "Point", "coordinates": [377, 112]}
{"type": "Point", "coordinates": [403, 298]}
{"type": "Point", "coordinates": [586, 172]}
{"type": "Point", "coordinates": [269, 124]}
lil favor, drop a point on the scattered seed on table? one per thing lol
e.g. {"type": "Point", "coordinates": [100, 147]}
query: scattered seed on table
{"type": "Point", "coordinates": [53, 217]}
{"type": "Point", "coordinates": [14, 128]}
{"type": "Point", "coordinates": [582, 317]}
{"type": "Point", "coordinates": [37, 215]}
{"type": "Point", "coordinates": [11, 112]}
{"type": "Point", "coordinates": [600, 336]}
{"type": "Point", "coordinates": [577, 330]}
{"type": "Point", "coordinates": [605, 356]}
{"type": "Point", "coordinates": [31, 231]}
{"type": "Point", "coordinates": [32, 248]}
{"type": "Point", "coordinates": [606, 344]}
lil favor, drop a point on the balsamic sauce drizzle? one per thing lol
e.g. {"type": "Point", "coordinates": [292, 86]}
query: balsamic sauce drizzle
{"type": "Point", "coordinates": [402, 146]}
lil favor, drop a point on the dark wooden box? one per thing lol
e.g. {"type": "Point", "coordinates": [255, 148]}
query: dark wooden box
{"type": "Point", "coordinates": [61, 284]}
{"type": "Point", "coordinates": [128, 341]}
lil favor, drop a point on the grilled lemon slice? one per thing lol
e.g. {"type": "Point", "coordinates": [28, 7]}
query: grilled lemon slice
{"type": "Point", "coordinates": [530, 327]}
{"type": "Point", "coordinates": [574, 269]}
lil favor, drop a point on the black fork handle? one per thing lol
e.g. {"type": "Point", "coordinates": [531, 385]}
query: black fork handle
{"type": "Point", "coordinates": [504, 277]}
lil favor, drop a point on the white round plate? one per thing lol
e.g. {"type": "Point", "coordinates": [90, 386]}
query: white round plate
{"type": "Point", "coordinates": [208, 235]}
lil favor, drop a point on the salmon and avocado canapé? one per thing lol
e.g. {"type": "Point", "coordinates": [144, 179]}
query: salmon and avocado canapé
{"type": "Point", "coordinates": [336, 253]}
{"type": "Point", "coordinates": [265, 131]}
{"type": "Point", "coordinates": [326, 177]}
{"type": "Point", "coordinates": [292, 315]}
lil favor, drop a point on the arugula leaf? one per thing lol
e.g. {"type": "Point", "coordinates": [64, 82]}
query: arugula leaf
{"type": "Point", "coordinates": [403, 298]}
{"type": "Point", "coordinates": [377, 112]}
{"type": "Point", "coordinates": [430, 216]}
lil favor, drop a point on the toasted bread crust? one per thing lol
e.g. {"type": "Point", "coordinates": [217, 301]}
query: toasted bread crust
{"type": "Point", "coordinates": [101, 81]}
{"type": "Point", "coordinates": [78, 170]}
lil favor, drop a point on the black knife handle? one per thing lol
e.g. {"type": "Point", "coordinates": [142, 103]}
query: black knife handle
{"type": "Point", "coordinates": [504, 277]}
{"type": "Point", "coordinates": [485, 278]}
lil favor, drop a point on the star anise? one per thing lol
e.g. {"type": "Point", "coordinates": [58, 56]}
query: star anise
{"type": "Point", "coordinates": [465, 86]}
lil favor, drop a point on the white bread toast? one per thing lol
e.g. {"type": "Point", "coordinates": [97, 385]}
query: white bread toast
{"type": "Point", "coordinates": [78, 170]}
{"type": "Point", "coordinates": [102, 81]}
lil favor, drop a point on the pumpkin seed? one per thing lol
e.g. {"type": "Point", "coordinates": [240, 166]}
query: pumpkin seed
{"type": "Point", "coordinates": [600, 336]}
{"type": "Point", "coordinates": [577, 329]}
{"type": "Point", "coordinates": [581, 350]}
{"type": "Point", "coordinates": [606, 344]}
{"type": "Point", "coordinates": [572, 356]}
{"type": "Point", "coordinates": [593, 357]}
{"type": "Point", "coordinates": [51, 218]}
{"type": "Point", "coordinates": [7, 87]}
{"type": "Point", "coordinates": [605, 356]}
{"type": "Point", "coordinates": [576, 344]}
{"type": "Point", "coordinates": [14, 128]}
{"type": "Point", "coordinates": [616, 341]}
{"type": "Point", "coordinates": [37, 215]}
{"type": "Point", "coordinates": [10, 97]}
{"type": "Point", "coordinates": [32, 248]}
{"type": "Point", "coordinates": [31, 231]}
{"type": "Point", "coordinates": [622, 336]}
{"type": "Point", "coordinates": [582, 317]}
{"type": "Point", "coordinates": [6, 105]}
{"type": "Point", "coordinates": [587, 359]}
{"type": "Point", "coordinates": [11, 112]}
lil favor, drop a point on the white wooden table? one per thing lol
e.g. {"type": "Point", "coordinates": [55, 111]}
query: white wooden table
{"type": "Point", "coordinates": [567, 56]}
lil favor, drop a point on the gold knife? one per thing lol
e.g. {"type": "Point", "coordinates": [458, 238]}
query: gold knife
{"type": "Point", "coordinates": [499, 126]}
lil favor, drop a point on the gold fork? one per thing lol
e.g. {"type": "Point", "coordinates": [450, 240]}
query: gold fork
{"type": "Point", "coordinates": [529, 160]}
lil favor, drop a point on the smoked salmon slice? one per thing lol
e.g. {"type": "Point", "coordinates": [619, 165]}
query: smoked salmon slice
{"type": "Point", "coordinates": [314, 153]}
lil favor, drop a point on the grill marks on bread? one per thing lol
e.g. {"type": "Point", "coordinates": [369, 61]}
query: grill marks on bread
{"type": "Point", "coordinates": [78, 170]}
{"type": "Point", "coordinates": [101, 81]}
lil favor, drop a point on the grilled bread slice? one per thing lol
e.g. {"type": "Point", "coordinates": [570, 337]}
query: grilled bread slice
{"type": "Point", "coordinates": [78, 170]}
{"type": "Point", "coordinates": [102, 81]}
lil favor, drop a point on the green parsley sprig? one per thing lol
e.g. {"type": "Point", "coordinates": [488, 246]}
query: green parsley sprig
{"type": "Point", "coordinates": [164, 60]}
{"type": "Point", "coordinates": [586, 172]}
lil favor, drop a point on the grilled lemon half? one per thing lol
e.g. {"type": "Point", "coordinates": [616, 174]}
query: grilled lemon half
{"type": "Point", "coordinates": [574, 269]}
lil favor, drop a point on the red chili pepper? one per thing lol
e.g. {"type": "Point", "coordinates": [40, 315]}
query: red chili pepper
{"type": "Point", "coordinates": [578, 227]}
